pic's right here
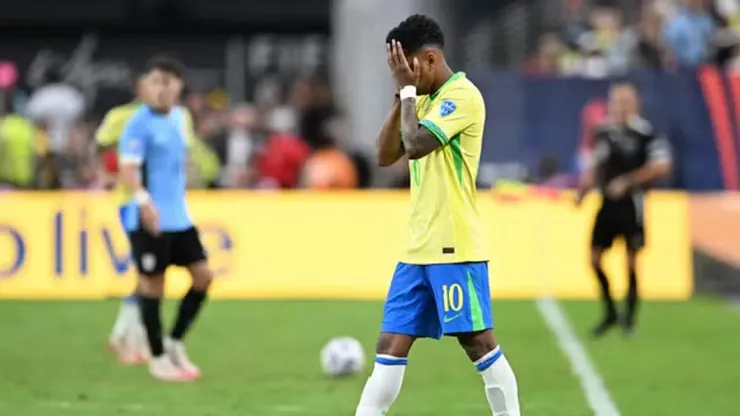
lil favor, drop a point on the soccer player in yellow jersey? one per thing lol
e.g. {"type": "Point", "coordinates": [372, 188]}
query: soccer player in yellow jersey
{"type": "Point", "coordinates": [127, 338]}
{"type": "Point", "coordinates": [111, 127]}
{"type": "Point", "coordinates": [440, 287]}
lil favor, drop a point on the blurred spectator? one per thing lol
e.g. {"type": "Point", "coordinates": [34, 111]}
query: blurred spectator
{"type": "Point", "coordinates": [614, 43]}
{"type": "Point", "coordinates": [197, 104]}
{"type": "Point", "coordinates": [649, 49]}
{"type": "Point", "coordinates": [236, 146]}
{"type": "Point", "coordinates": [284, 153]}
{"type": "Point", "coordinates": [58, 106]}
{"type": "Point", "coordinates": [725, 48]}
{"type": "Point", "coordinates": [17, 136]}
{"type": "Point", "coordinates": [76, 166]}
{"type": "Point", "coordinates": [604, 48]}
{"type": "Point", "coordinates": [593, 62]}
{"type": "Point", "coordinates": [549, 174]}
{"type": "Point", "coordinates": [47, 166]}
{"type": "Point", "coordinates": [729, 11]}
{"type": "Point", "coordinates": [337, 130]}
{"type": "Point", "coordinates": [547, 60]}
{"type": "Point", "coordinates": [689, 31]}
{"type": "Point", "coordinates": [330, 168]}
{"type": "Point", "coordinates": [301, 95]}
{"type": "Point", "coordinates": [312, 99]}
{"type": "Point", "coordinates": [267, 94]}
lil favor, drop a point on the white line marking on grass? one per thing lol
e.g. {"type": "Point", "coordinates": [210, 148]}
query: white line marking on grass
{"type": "Point", "coordinates": [591, 382]}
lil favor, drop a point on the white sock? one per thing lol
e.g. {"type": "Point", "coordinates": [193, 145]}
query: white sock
{"type": "Point", "coordinates": [500, 383]}
{"type": "Point", "coordinates": [382, 387]}
{"type": "Point", "coordinates": [128, 315]}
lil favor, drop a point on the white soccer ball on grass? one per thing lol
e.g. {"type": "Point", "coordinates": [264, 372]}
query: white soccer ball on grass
{"type": "Point", "coordinates": [342, 356]}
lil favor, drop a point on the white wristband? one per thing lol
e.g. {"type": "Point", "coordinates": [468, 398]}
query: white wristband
{"type": "Point", "coordinates": [142, 197]}
{"type": "Point", "coordinates": [408, 91]}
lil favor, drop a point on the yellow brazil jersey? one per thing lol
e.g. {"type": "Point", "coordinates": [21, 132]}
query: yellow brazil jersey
{"type": "Point", "coordinates": [111, 128]}
{"type": "Point", "coordinates": [445, 226]}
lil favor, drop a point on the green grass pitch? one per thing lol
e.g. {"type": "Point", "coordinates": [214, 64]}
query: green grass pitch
{"type": "Point", "coordinates": [261, 358]}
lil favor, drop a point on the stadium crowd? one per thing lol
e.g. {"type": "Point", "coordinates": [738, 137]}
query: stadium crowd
{"type": "Point", "coordinates": [47, 141]}
{"type": "Point", "coordinates": [294, 136]}
{"type": "Point", "coordinates": [604, 41]}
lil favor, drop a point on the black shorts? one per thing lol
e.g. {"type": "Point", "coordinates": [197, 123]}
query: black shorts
{"type": "Point", "coordinates": [154, 254]}
{"type": "Point", "coordinates": [619, 219]}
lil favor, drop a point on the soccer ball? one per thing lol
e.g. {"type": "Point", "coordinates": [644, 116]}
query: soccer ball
{"type": "Point", "coordinates": [342, 356]}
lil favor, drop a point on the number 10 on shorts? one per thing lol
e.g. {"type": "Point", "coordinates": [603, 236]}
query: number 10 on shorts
{"type": "Point", "coordinates": [453, 297]}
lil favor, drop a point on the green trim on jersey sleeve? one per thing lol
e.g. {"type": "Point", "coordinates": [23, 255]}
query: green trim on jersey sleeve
{"type": "Point", "coordinates": [438, 133]}
{"type": "Point", "coordinates": [457, 157]}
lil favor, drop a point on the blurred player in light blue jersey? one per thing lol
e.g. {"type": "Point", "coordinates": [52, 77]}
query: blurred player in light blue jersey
{"type": "Point", "coordinates": [440, 287]}
{"type": "Point", "coordinates": [153, 168]}
{"type": "Point", "coordinates": [127, 338]}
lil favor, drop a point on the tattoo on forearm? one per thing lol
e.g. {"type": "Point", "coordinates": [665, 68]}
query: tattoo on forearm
{"type": "Point", "coordinates": [417, 141]}
{"type": "Point", "coordinates": [409, 123]}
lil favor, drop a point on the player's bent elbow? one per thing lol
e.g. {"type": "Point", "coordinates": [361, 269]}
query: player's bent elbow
{"type": "Point", "coordinates": [385, 159]}
{"type": "Point", "coordinates": [414, 154]}
{"type": "Point", "coordinates": [663, 169]}
{"type": "Point", "coordinates": [385, 163]}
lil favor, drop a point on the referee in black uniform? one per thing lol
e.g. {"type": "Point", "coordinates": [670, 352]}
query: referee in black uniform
{"type": "Point", "coordinates": [628, 156]}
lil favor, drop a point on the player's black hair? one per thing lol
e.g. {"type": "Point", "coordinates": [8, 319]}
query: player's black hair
{"type": "Point", "coordinates": [416, 32]}
{"type": "Point", "coordinates": [166, 64]}
{"type": "Point", "coordinates": [625, 82]}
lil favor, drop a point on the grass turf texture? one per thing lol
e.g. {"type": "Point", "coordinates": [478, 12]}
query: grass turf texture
{"type": "Point", "coordinates": [261, 358]}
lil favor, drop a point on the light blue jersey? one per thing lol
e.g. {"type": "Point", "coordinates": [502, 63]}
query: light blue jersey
{"type": "Point", "coordinates": [159, 143]}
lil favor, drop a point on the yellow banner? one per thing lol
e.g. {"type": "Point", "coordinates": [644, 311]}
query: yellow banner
{"type": "Point", "coordinates": [333, 245]}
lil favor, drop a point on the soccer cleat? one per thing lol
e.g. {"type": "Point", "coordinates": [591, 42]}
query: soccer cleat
{"type": "Point", "coordinates": [126, 352]}
{"type": "Point", "coordinates": [607, 324]}
{"type": "Point", "coordinates": [628, 328]}
{"type": "Point", "coordinates": [127, 339]}
{"type": "Point", "coordinates": [176, 351]}
{"type": "Point", "coordinates": [130, 345]}
{"type": "Point", "coordinates": [138, 344]}
{"type": "Point", "coordinates": [629, 331]}
{"type": "Point", "coordinates": [163, 369]}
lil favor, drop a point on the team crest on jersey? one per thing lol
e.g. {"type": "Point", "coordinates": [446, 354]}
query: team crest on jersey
{"type": "Point", "coordinates": [446, 108]}
{"type": "Point", "coordinates": [148, 262]}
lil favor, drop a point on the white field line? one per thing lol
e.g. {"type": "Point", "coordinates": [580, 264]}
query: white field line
{"type": "Point", "coordinates": [591, 382]}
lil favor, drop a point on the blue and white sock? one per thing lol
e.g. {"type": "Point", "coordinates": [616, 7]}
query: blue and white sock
{"type": "Point", "coordinates": [500, 383]}
{"type": "Point", "coordinates": [128, 316]}
{"type": "Point", "coordinates": [383, 386]}
{"type": "Point", "coordinates": [133, 298]}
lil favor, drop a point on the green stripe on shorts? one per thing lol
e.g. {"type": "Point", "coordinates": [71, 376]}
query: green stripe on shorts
{"type": "Point", "coordinates": [476, 314]}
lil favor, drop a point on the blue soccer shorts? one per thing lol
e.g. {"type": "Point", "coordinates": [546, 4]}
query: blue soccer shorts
{"type": "Point", "coordinates": [438, 299]}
